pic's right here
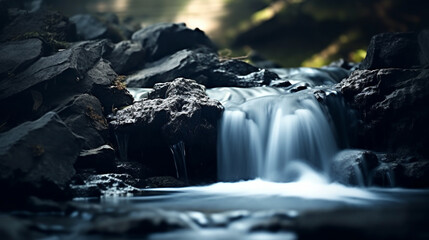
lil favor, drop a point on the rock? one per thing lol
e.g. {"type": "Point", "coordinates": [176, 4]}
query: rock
{"type": "Point", "coordinates": [14, 228]}
{"type": "Point", "coordinates": [135, 169]}
{"type": "Point", "coordinates": [163, 39]}
{"type": "Point", "coordinates": [176, 111]}
{"type": "Point", "coordinates": [102, 159]}
{"type": "Point", "coordinates": [67, 67]}
{"type": "Point", "coordinates": [53, 27]}
{"type": "Point", "coordinates": [83, 114]}
{"type": "Point", "coordinates": [89, 27]}
{"type": "Point", "coordinates": [353, 167]}
{"type": "Point", "coordinates": [127, 56]}
{"type": "Point", "coordinates": [203, 66]}
{"type": "Point", "coordinates": [107, 86]}
{"type": "Point", "coordinates": [396, 50]}
{"type": "Point", "coordinates": [37, 158]}
{"type": "Point", "coordinates": [16, 56]}
{"type": "Point", "coordinates": [392, 107]}
{"type": "Point", "coordinates": [48, 83]}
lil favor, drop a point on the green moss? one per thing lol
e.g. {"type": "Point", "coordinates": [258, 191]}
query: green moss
{"type": "Point", "coordinates": [49, 38]}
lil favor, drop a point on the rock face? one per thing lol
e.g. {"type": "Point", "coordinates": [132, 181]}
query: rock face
{"type": "Point", "coordinates": [393, 107]}
{"type": "Point", "coordinates": [37, 158]}
{"type": "Point", "coordinates": [16, 56]}
{"type": "Point", "coordinates": [127, 56]}
{"type": "Point", "coordinates": [161, 40]}
{"type": "Point", "coordinates": [176, 111]}
{"type": "Point", "coordinates": [397, 50]}
{"type": "Point", "coordinates": [204, 66]}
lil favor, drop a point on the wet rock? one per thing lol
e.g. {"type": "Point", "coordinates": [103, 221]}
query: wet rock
{"type": "Point", "coordinates": [127, 56]}
{"type": "Point", "coordinates": [16, 56]}
{"type": "Point", "coordinates": [163, 39]}
{"type": "Point", "coordinates": [109, 185]}
{"type": "Point", "coordinates": [49, 25]}
{"type": "Point", "coordinates": [107, 86]}
{"type": "Point", "coordinates": [203, 66]}
{"type": "Point", "coordinates": [102, 159]}
{"type": "Point", "coordinates": [37, 158]}
{"type": "Point", "coordinates": [396, 50]}
{"type": "Point", "coordinates": [353, 167]}
{"type": "Point", "coordinates": [83, 114]}
{"type": "Point", "coordinates": [392, 104]}
{"type": "Point", "coordinates": [89, 27]}
{"type": "Point", "coordinates": [175, 111]}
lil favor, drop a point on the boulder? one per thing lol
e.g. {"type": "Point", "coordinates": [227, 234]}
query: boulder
{"type": "Point", "coordinates": [353, 167]}
{"type": "Point", "coordinates": [127, 56]}
{"type": "Point", "coordinates": [163, 39]}
{"type": "Point", "coordinates": [83, 114]}
{"type": "Point", "coordinates": [392, 106]}
{"type": "Point", "coordinates": [397, 50]}
{"type": "Point", "coordinates": [16, 56]}
{"type": "Point", "coordinates": [205, 67]}
{"type": "Point", "coordinates": [178, 111]}
{"type": "Point", "coordinates": [52, 26]}
{"type": "Point", "coordinates": [37, 158]}
{"type": "Point", "coordinates": [102, 159]}
{"type": "Point", "coordinates": [89, 27]}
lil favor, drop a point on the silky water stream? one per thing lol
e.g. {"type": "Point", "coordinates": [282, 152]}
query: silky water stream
{"type": "Point", "coordinates": [275, 148]}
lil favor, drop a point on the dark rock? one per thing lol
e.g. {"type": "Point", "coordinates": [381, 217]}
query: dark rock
{"type": "Point", "coordinates": [353, 167]}
{"type": "Point", "coordinates": [16, 56]}
{"type": "Point", "coordinates": [127, 56]}
{"type": "Point", "coordinates": [48, 83]}
{"type": "Point", "coordinates": [396, 50]}
{"type": "Point", "coordinates": [67, 67]}
{"type": "Point", "coordinates": [203, 66]}
{"type": "Point", "coordinates": [176, 111]}
{"type": "Point", "coordinates": [37, 158]}
{"type": "Point", "coordinates": [163, 39]}
{"type": "Point", "coordinates": [89, 27]}
{"type": "Point", "coordinates": [14, 228]}
{"type": "Point", "coordinates": [392, 104]}
{"type": "Point", "coordinates": [51, 26]}
{"type": "Point", "coordinates": [102, 159]}
{"type": "Point", "coordinates": [83, 114]}
{"type": "Point", "coordinates": [107, 86]}
{"type": "Point", "coordinates": [298, 87]}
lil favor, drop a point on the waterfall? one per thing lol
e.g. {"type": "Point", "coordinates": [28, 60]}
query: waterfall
{"type": "Point", "coordinates": [267, 133]}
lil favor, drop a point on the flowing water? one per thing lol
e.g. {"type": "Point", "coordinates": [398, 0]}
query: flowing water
{"type": "Point", "coordinates": [275, 147]}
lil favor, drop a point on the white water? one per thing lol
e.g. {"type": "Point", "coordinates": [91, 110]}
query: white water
{"type": "Point", "coordinates": [272, 134]}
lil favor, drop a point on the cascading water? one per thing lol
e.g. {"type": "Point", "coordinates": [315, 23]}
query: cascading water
{"type": "Point", "coordinates": [274, 134]}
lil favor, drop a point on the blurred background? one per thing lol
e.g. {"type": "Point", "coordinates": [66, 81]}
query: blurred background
{"type": "Point", "coordinates": [290, 32]}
